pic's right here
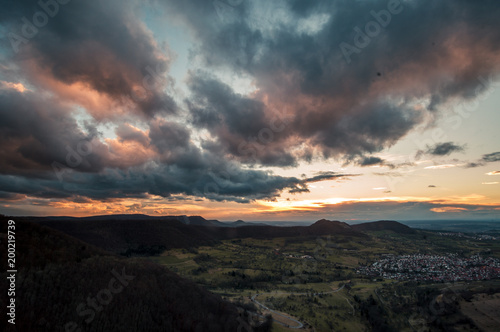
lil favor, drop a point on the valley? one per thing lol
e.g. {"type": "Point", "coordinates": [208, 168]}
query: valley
{"type": "Point", "coordinates": [316, 280]}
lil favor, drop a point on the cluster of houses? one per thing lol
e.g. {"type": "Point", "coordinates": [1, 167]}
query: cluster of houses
{"type": "Point", "coordinates": [290, 255]}
{"type": "Point", "coordinates": [298, 256]}
{"type": "Point", "coordinates": [433, 268]}
{"type": "Point", "coordinates": [480, 237]}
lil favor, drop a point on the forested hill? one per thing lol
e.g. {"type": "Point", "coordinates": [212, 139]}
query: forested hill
{"type": "Point", "coordinates": [146, 236]}
{"type": "Point", "coordinates": [384, 225]}
{"type": "Point", "coordinates": [64, 284]}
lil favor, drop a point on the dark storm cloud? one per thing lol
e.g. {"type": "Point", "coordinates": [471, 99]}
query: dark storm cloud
{"type": "Point", "coordinates": [224, 108]}
{"type": "Point", "coordinates": [367, 130]}
{"type": "Point", "coordinates": [102, 44]}
{"type": "Point", "coordinates": [36, 131]}
{"type": "Point", "coordinates": [340, 109]}
{"type": "Point", "coordinates": [444, 149]}
{"type": "Point", "coordinates": [238, 121]}
{"type": "Point", "coordinates": [6, 196]}
{"type": "Point", "coordinates": [241, 186]}
{"type": "Point", "coordinates": [173, 145]}
{"type": "Point", "coordinates": [240, 124]}
{"type": "Point", "coordinates": [126, 132]}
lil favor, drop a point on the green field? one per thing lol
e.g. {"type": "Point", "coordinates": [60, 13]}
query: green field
{"type": "Point", "coordinates": [298, 276]}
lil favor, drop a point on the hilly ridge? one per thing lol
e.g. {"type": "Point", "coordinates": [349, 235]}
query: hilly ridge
{"type": "Point", "coordinates": [152, 236]}
{"type": "Point", "coordinates": [145, 236]}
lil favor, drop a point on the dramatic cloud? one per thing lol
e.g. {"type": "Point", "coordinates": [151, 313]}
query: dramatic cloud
{"type": "Point", "coordinates": [99, 46]}
{"type": "Point", "coordinates": [42, 141]}
{"type": "Point", "coordinates": [240, 124]}
{"type": "Point", "coordinates": [338, 108]}
{"type": "Point", "coordinates": [36, 131]}
{"type": "Point", "coordinates": [89, 108]}
{"type": "Point", "coordinates": [242, 186]}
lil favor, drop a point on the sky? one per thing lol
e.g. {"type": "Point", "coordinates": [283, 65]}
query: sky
{"type": "Point", "coordinates": [250, 109]}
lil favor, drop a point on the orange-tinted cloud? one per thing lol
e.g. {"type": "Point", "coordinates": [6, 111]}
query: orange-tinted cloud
{"type": "Point", "coordinates": [448, 209]}
{"type": "Point", "coordinates": [11, 85]}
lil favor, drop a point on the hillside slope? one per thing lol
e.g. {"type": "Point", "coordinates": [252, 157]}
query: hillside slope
{"type": "Point", "coordinates": [383, 225]}
{"type": "Point", "coordinates": [64, 284]}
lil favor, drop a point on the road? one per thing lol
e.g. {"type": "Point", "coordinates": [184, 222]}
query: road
{"type": "Point", "coordinates": [299, 324]}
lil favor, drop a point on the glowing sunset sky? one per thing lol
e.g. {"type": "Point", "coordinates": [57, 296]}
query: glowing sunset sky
{"type": "Point", "coordinates": [254, 110]}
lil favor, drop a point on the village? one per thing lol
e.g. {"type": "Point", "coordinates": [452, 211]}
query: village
{"type": "Point", "coordinates": [480, 237]}
{"type": "Point", "coordinates": [420, 267]}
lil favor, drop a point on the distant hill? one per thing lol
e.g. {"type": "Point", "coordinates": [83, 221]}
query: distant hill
{"type": "Point", "coordinates": [465, 226]}
{"type": "Point", "coordinates": [199, 221]}
{"type": "Point", "coordinates": [384, 225]}
{"type": "Point", "coordinates": [330, 226]}
{"type": "Point", "coordinates": [187, 220]}
{"type": "Point", "coordinates": [58, 275]}
{"type": "Point", "coordinates": [141, 235]}
{"type": "Point", "coordinates": [146, 236]}
{"type": "Point", "coordinates": [321, 228]}
{"type": "Point", "coordinates": [240, 223]}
